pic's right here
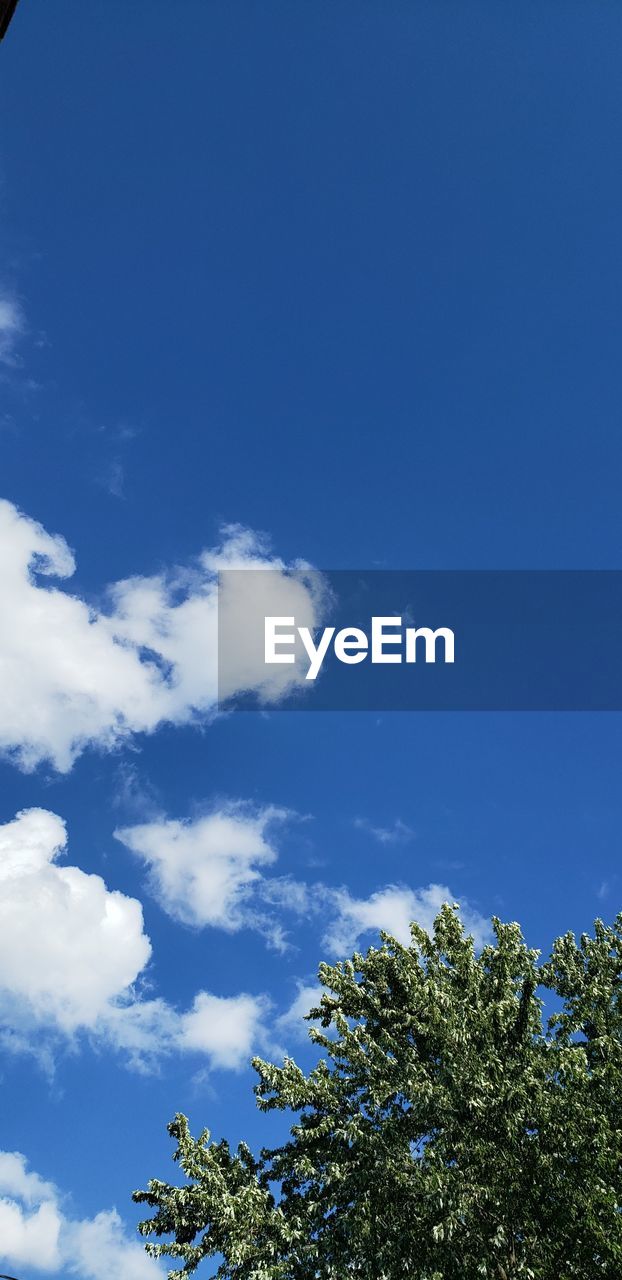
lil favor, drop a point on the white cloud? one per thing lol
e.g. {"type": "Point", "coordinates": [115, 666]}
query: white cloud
{"type": "Point", "coordinates": [72, 950]}
{"type": "Point", "coordinates": [293, 1020]}
{"type": "Point", "coordinates": [76, 676]}
{"type": "Point", "coordinates": [73, 953]}
{"type": "Point", "coordinates": [211, 871]}
{"type": "Point", "coordinates": [203, 871]}
{"type": "Point", "coordinates": [68, 945]}
{"type": "Point", "coordinates": [11, 326]}
{"type": "Point", "coordinates": [16, 1179]}
{"type": "Point", "coordinates": [99, 1248]}
{"type": "Point", "coordinates": [36, 1232]}
{"type": "Point", "coordinates": [30, 1222]}
{"type": "Point", "coordinates": [392, 909]}
{"type": "Point", "coordinates": [225, 1029]}
{"type": "Point", "coordinates": [29, 1238]}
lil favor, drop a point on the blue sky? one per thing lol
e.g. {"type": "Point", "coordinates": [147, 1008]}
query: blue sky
{"type": "Point", "coordinates": [347, 275]}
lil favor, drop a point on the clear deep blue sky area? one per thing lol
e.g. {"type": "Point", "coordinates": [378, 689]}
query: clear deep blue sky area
{"type": "Point", "coordinates": [345, 275]}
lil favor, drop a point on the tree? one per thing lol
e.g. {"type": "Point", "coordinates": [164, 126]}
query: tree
{"type": "Point", "coordinates": [451, 1130]}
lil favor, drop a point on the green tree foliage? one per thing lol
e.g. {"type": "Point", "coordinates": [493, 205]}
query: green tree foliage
{"type": "Point", "coordinates": [450, 1131]}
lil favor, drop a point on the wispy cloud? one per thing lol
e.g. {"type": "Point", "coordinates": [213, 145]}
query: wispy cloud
{"type": "Point", "coordinates": [218, 871]}
{"type": "Point", "coordinates": [12, 327]}
{"type": "Point", "coordinates": [112, 478]}
{"type": "Point", "coordinates": [397, 832]}
{"type": "Point", "coordinates": [293, 1020]}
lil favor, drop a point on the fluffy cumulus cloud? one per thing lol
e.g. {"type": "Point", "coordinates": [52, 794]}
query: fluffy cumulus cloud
{"type": "Point", "coordinates": [68, 944]}
{"type": "Point", "coordinates": [209, 870]}
{"type": "Point", "coordinates": [392, 909]}
{"type": "Point", "coordinates": [72, 952]}
{"type": "Point", "coordinates": [75, 675]}
{"type": "Point", "coordinates": [98, 1248]}
{"type": "Point", "coordinates": [225, 1028]}
{"type": "Point", "coordinates": [36, 1232]}
{"type": "Point", "coordinates": [30, 1220]}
